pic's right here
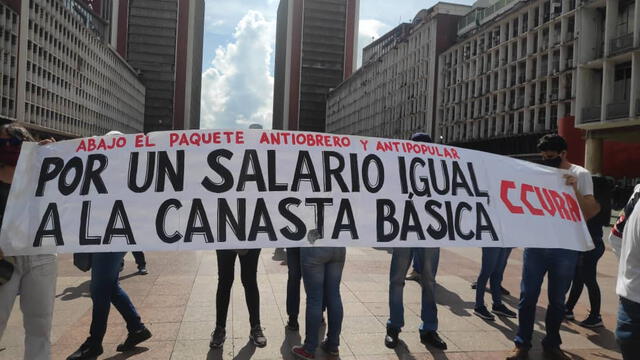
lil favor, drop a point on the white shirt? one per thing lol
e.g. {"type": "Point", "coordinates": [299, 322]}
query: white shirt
{"type": "Point", "coordinates": [585, 183]}
{"type": "Point", "coordinates": [629, 268]}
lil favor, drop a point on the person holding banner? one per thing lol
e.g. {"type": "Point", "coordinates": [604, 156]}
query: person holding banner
{"type": "Point", "coordinates": [322, 273]}
{"type": "Point", "coordinates": [559, 263]}
{"type": "Point", "coordinates": [248, 274]}
{"type": "Point", "coordinates": [33, 277]}
{"type": "Point", "coordinates": [400, 263]}
{"type": "Point", "coordinates": [625, 240]}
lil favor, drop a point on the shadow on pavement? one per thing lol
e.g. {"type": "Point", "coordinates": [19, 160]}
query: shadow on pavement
{"type": "Point", "coordinates": [291, 339]}
{"type": "Point", "coordinates": [128, 354]}
{"type": "Point", "coordinates": [72, 293]}
{"type": "Point", "coordinates": [246, 352]}
{"type": "Point", "coordinates": [453, 301]}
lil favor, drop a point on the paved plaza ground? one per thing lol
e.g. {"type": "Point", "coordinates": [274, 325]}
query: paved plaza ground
{"type": "Point", "coordinates": [177, 302]}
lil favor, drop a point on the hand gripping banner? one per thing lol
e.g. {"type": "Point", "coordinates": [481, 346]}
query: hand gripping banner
{"type": "Point", "coordinates": [209, 189]}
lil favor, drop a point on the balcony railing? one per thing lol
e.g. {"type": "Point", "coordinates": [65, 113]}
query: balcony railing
{"type": "Point", "coordinates": [617, 110]}
{"type": "Point", "coordinates": [591, 114]}
{"type": "Point", "coordinates": [621, 44]}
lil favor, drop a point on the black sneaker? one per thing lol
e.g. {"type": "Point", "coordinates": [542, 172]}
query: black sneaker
{"type": "Point", "coordinates": [134, 338]}
{"type": "Point", "coordinates": [502, 310]}
{"type": "Point", "coordinates": [293, 324]}
{"type": "Point", "coordinates": [86, 351]}
{"type": "Point", "coordinates": [593, 321]}
{"type": "Point", "coordinates": [568, 314]}
{"type": "Point", "coordinates": [482, 312]}
{"type": "Point", "coordinates": [504, 291]}
{"type": "Point", "coordinates": [432, 338]}
{"type": "Point", "coordinates": [474, 285]}
{"type": "Point", "coordinates": [143, 271]}
{"type": "Point", "coordinates": [391, 339]}
{"type": "Point", "coordinates": [257, 336]}
{"type": "Point", "coordinates": [218, 337]}
{"type": "Point", "coordinates": [329, 349]}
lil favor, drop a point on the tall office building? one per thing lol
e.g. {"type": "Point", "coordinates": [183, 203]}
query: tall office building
{"type": "Point", "coordinates": [165, 45]}
{"type": "Point", "coordinates": [316, 44]}
{"type": "Point", "coordinates": [393, 94]}
{"type": "Point", "coordinates": [60, 73]}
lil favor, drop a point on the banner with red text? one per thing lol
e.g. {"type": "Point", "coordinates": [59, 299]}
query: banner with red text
{"type": "Point", "coordinates": [240, 189]}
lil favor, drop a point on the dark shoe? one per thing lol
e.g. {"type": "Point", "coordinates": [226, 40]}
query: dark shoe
{"type": "Point", "coordinates": [432, 338]}
{"type": "Point", "coordinates": [86, 351]}
{"type": "Point", "coordinates": [482, 312]}
{"type": "Point", "coordinates": [504, 291]}
{"type": "Point", "coordinates": [474, 285]}
{"type": "Point", "coordinates": [134, 338]}
{"type": "Point", "coordinates": [413, 275]}
{"type": "Point", "coordinates": [329, 350]}
{"type": "Point", "coordinates": [502, 310]}
{"type": "Point", "coordinates": [293, 324]}
{"type": "Point", "coordinates": [518, 354]}
{"type": "Point", "coordinates": [554, 354]}
{"type": "Point", "coordinates": [391, 339]}
{"type": "Point", "coordinates": [568, 314]}
{"type": "Point", "coordinates": [257, 336]}
{"type": "Point", "coordinates": [143, 271]}
{"type": "Point", "coordinates": [593, 321]}
{"type": "Point", "coordinates": [300, 353]}
{"type": "Point", "coordinates": [218, 337]}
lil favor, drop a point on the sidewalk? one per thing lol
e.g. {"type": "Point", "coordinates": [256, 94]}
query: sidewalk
{"type": "Point", "coordinates": [177, 302]}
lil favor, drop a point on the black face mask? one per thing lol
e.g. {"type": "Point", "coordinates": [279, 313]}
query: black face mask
{"type": "Point", "coordinates": [553, 162]}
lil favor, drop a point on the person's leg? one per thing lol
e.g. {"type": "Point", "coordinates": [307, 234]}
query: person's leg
{"type": "Point", "coordinates": [226, 263]}
{"type": "Point", "coordinates": [140, 259]}
{"type": "Point", "coordinates": [417, 266]}
{"type": "Point", "coordinates": [294, 276]}
{"type": "Point", "coordinates": [533, 271]}
{"type": "Point", "coordinates": [37, 293]}
{"type": "Point", "coordinates": [104, 278]}
{"type": "Point", "coordinates": [577, 284]}
{"type": "Point", "coordinates": [590, 274]}
{"type": "Point", "coordinates": [628, 328]}
{"type": "Point", "coordinates": [121, 301]}
{"type": "Point", "coordinates": [562, 265]}
{"type": "Point", "coordinates": [400, 260]}
{"type": "Point", "coordinates": [249, 276]}
{"type": "Point", "coordinates": [313, 261]}
{"type": "Point", "coordinates": [332, 279]}
{"type": "Point", "coordinates": [490, 259]}
{"type": "Point", "coordinates": [8, 293]}
{"type": "Point", "coordinates": [429, 312]}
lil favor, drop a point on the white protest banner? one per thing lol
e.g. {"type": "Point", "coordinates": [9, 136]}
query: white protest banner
{"type": "Point", "coordinates": [207, 189]}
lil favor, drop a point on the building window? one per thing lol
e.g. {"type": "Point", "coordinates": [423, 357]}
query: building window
{"type": "Point", "coordinates": [622, 82]}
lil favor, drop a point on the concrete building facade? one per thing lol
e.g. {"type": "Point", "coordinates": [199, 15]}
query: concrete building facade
{"type": "Point", "coordinates": [608, 80]}
{"type": "Point", "coordinates": [316, 43]}
{"type": "Point", "coordinates": [392, 95]}
{"type": "Point", "coordinates": [165, 45]}
{"type": "Point", "coordinates": [61, 74]}
{"type": "Point", "coordinates": [510, 77]}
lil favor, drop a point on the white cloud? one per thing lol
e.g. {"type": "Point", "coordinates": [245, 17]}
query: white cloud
{"type": "Point", "coordinates": [237, 89]}
{"type": "Point", "coordinates": [370, 29]}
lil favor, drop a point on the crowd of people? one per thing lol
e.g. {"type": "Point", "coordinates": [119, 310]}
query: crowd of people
{"type": "Point", "coordinates": [33, 278]}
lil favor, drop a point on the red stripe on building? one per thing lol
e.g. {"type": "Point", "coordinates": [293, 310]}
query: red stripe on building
{"type": "Point", "coordinates": [350, 37]}
{"type": "Point", "coordinates": [123, 28]}
{"type": "Point", "coordinates": [296, 64]}
{"type": "Point", "coordinates": [182, 40]}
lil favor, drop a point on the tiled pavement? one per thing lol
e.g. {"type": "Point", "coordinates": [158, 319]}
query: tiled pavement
{"type": "Point", "coordinates": [177, 302]}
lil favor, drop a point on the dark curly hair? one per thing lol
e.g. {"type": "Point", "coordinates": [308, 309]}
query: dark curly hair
{"type": "Point", "coordinates": [552, 142]}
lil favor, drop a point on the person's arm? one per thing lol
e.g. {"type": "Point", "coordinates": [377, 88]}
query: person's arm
{"type": "Point", "coordinates": [6, 173]}
{"type": "Point", "coordinates": [588, 203]}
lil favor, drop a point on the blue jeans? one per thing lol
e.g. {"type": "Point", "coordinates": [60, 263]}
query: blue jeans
{"type": "Point", "coordinates": [106, 290]}
{"type": "Point", "coordinates": [417, 262]}
{"type": "Point", "coordinates": [561, 265]}
{"type": "Point", "coordinates": [628, 328]}
{"type": "Point", "coordinates": [494, 262]}
{"type": "Point", "coordinates": [322, 273]}
{"type": "Point", "coordinates": [400, 262]}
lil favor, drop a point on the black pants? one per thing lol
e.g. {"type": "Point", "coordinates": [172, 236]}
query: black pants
{"type": "Point", "coordinates": [140, 260]}
{"type": "Point", "coordinates": [248, 274]}
{"type": "Point", "coordinates": [586, 274]}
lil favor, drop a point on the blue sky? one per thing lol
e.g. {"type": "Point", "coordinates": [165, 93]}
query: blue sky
{"type": "Point", "coordinates": [237, 78]}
